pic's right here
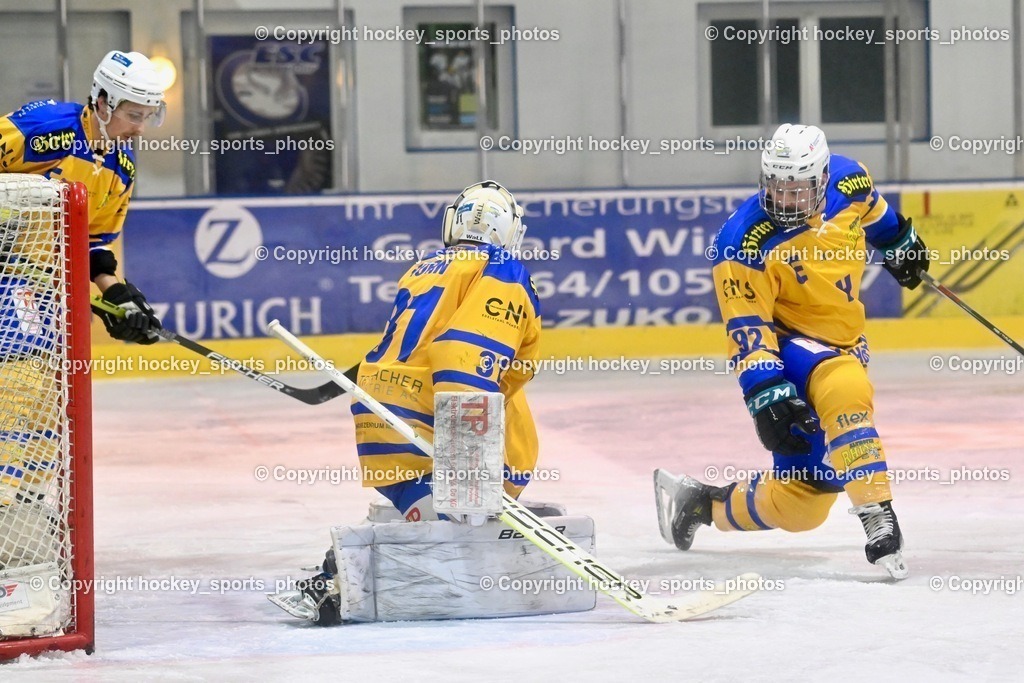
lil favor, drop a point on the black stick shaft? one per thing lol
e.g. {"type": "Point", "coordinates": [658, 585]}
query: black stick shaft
{"type": "Point", "coordinates": [944, 291]}
{"type": "Point", "coordinates": [312, 396]}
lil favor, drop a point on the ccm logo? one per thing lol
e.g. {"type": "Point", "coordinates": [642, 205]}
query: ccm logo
{"type": "Point", "coordinates": [774, 395]}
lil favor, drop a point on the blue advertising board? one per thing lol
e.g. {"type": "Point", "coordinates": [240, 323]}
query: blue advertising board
{"type": "Point", "coordinates": [218, 268]}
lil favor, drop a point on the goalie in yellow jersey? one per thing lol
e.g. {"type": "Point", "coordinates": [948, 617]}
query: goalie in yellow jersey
{"type": "Point", "coordinates": [788, 275]}
{"type": "Point", "coordinates": [465, 319]}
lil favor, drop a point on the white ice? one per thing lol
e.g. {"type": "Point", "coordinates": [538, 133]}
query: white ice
{"type": "Point", "coordinates": [176, 496]}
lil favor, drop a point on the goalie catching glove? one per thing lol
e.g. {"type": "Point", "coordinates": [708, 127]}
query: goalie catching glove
{"type": "Point", "coordinates": [139, 323]}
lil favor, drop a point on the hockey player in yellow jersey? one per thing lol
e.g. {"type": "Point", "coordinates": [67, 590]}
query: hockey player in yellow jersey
{"type": "Point", "coordinates": [466, 319]}
{"type": "Point", "coordinates": [88, 144]}
{"type": "Point", "coordinates": [91, 144]}
{"type": "Point", "coordinates": [788, 274]}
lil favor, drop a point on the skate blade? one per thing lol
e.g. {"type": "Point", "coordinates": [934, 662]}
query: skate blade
{"type": "Point", "coordinates": [665, 486]}
{"type": "Point", "coordinates": [294, 603]}
{"type": "Point", "coordinates": [895, 565]}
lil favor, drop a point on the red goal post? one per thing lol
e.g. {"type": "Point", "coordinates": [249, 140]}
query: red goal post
{"type": "Point", "coordinates": [46, 534]}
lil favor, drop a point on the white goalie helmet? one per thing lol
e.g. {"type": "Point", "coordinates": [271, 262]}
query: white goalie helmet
{"type": "Point", "coordinates": [129, 76]}
{"type": "Point", "coordinates": [794, 175]}
{"type": "Point", "coordinates": [486, 213]}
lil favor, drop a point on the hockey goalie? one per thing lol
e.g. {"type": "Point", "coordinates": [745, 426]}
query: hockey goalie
{"type": "Point", "coordinates": [461, 342]}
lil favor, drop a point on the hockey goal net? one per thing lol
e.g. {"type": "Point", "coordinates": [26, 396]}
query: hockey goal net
{"type": "Point", "coordinates": [45, 417]}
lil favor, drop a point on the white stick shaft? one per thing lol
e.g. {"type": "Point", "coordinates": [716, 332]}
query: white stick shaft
{"type": "Point", "coordinates": [278, 330]}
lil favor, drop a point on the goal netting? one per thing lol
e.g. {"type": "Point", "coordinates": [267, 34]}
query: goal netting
{"type": "Point", "coordinates": [45, 435]}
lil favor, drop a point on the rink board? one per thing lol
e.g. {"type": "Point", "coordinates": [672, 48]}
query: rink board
{"type": "Point", "coordinates": [620, 273]}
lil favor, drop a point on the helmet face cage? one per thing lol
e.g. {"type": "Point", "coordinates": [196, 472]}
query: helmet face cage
{"type": "Point", "coordinates": [790, 202]}
{"type": "Point", "coordinates": [515, 236]}
{"type": "Point", "coordinates": [794, 175]}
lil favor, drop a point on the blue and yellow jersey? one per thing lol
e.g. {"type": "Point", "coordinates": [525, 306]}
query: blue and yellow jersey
{"type": "Point", "coordinates": [805, 281]}
{"type": "Point", "coordinates": [61, 140]}
{"type": "Point", "coordinates": [467, 319]}
{"type": "Point", "coordinates": [26, 319]}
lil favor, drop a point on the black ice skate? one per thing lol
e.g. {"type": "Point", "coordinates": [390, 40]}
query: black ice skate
{"type": "Point", "coordinates": [683, 505]}
{"type": "Point", "coordinates": [885, 541]}
{"type": "Point", "coordinates": [315, 598]}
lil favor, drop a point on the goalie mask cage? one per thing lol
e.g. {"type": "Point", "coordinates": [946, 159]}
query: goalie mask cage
{"type": "Point", "coordinates": [46, 544]}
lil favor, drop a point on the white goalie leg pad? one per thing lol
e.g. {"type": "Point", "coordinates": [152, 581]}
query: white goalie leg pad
{"type": "Point", "coordinates": [440, 570]}
{"type": "Point", "coordinates": [469, 454]}
{"type": "Point", "coordinates": [382, 511]}
{"type": "Point", "coordinates": [33, 601]}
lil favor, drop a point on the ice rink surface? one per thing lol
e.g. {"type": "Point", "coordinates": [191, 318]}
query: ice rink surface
{"type": "Point", "coordinates": [177, 496]}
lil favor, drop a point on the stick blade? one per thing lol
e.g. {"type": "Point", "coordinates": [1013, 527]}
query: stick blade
{"type": "Point", "coordinates": [667, 611]}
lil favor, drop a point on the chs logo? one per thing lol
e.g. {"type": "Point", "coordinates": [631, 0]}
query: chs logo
{"type": "Point", "coordinates": [7, 589]}
{"type": "Point", "coordinates": [734, 288]}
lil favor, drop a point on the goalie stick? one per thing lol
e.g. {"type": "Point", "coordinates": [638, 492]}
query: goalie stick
{"type": "Point", "coordinates": [946, 292]}
{"type": "Point", "coordinates": [539, 532]}
{"type": "Point", "coordinates": [313, 396]}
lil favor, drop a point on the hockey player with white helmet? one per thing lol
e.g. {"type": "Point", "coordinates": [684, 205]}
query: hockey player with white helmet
{"type": "Point", "coordinates": [88, 144]}
{"type": "Point", "coordinates": [467, 319]}
{"type": "Point", "coordinates": [788, 275]}
{"type": "Point", "coordinates": [92, 144]}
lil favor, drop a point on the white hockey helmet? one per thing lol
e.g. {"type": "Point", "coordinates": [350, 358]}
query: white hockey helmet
{"type": "Point", "coordinates": [486, 213]}
{"type": "Point", "coordinates": [129, 76]}
{"type": "Point", "coordinates": [794, 175]}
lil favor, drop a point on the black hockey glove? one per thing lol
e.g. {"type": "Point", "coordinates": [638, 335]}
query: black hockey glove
{"type": "Point", "coordinates": [139, 323]}
{"type": "Point", "coordinates": [906, 255]}
{"type": "Point", "coordinates": [778, 415]}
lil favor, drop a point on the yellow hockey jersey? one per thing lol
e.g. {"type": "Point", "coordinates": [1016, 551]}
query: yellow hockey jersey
{"type": "Point", "coordinates": [466, 319]}
{"type": "Point", "coordinates": [804, 281]}
{"type": "Point", "coordinates": [62, 140]}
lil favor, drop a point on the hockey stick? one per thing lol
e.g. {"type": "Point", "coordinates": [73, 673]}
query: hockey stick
{"type": "Point", "coordinates": [313, 396]}
{"type": "Point", "coordinates": [540, 533]}
{"type": "Point", "coordinates": [944, 291]}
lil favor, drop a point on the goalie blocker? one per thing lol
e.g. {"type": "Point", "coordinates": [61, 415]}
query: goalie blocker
{"type": "Point", "coordinates": [469, 455]}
